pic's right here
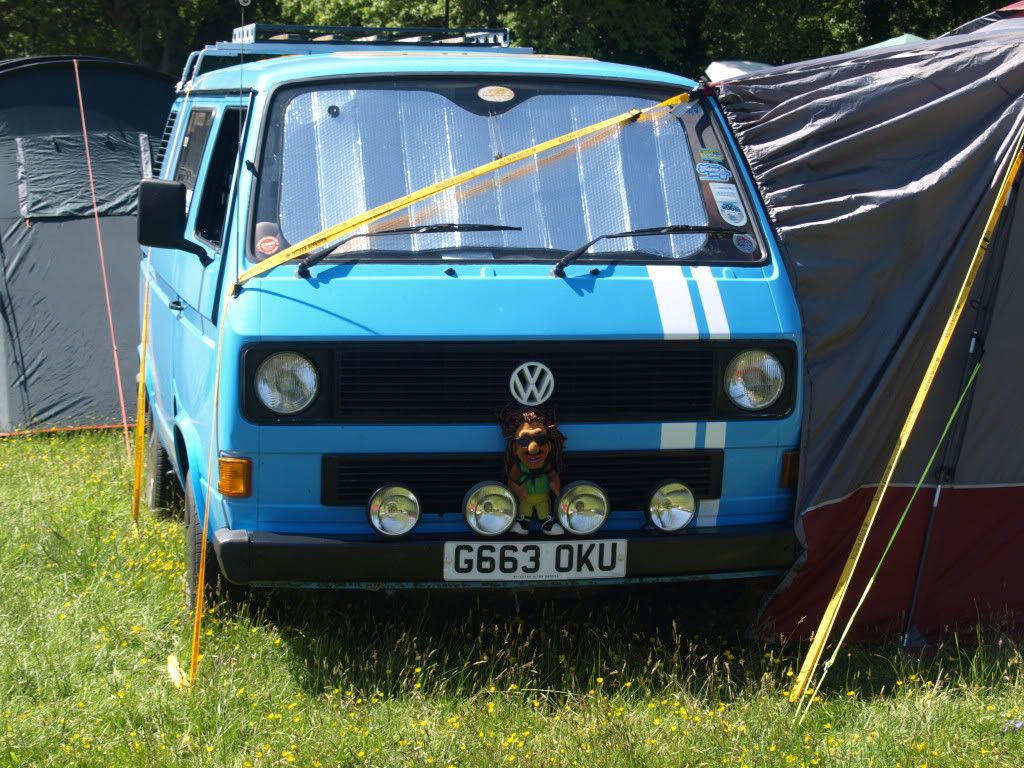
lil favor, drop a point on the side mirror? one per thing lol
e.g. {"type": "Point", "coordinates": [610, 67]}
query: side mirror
{"type": "Point", "coordinates": [162, 217]}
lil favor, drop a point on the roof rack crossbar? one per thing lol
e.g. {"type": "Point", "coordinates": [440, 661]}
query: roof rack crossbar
{"type": "Point", "coordinates": [252, 34]}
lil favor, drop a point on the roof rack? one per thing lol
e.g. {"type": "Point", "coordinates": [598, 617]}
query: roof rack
{"type": "Point", "coordinates": [265, 41]}
{"type": "Point", "coordinates": [285, 33]}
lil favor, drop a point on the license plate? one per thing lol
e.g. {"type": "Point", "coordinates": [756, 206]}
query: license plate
{"type": "Point", "coordinates": [534, 560]}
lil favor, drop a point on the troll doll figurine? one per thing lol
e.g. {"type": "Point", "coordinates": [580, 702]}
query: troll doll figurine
{"type": "Point", "coordinates": [533, 460]}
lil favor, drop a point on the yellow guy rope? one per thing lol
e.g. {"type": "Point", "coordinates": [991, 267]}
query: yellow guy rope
{"type": "Point", "coordinates": [828, 619]}
{"type": "Point", "coordinates": [329, 235]}
{"type": "Point", "coordinates": [368, 217]}
{"type": "Point", "coordinates": [140, 411]}
{"type": "Point", "coordinates": [197, 616]}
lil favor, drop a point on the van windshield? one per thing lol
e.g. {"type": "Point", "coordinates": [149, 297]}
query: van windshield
{"type": "Point", "coordinates": [332, 151]}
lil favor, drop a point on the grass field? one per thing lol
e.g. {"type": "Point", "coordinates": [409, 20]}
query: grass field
{"type": "Point", "coordinates": [89, 612]}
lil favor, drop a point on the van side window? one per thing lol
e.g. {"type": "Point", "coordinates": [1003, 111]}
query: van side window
{"type": "Point", "coordinates": [213, 204]}
{"type": "Point", "coordinates": [192, 146]}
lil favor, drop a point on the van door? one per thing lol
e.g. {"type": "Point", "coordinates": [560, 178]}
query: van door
{"type": "Point", "coordinates": [209, 174]}
{"type": "Point", "coordinates": [161, 268]}
{"type": "Point", "coordinates": [195, 147]}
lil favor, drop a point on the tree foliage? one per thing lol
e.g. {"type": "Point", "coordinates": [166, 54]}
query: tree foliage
{"type": "Point", "coordinates": [680, 35]}
{"type": "Point", "coordinates": [158, 34]}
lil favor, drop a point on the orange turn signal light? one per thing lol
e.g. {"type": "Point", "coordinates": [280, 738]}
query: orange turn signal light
{"type": "Point", "coordinates": [790, 469]}
{"type": "Point", "coordinates": [235, 476]}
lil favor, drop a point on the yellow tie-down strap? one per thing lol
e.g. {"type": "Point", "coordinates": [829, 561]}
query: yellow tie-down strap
{"type": "Point", "coordinates": [828, 618]}
{"type": "Point", "coordinates": [331, 234]}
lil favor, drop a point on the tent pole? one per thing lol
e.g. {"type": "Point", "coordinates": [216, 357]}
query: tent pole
{"type": "Point", "coordinates": [1005, 182]}
{"type": "Point", "coordinates": [946, 471]}
{"type": "Point", "coordinates": [944, 474]}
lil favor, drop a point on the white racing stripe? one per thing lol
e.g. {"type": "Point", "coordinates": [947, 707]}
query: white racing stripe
{"type": "Point", "coordinates": [676, 436]}
{"type": "Point", "coordinates": [707, 510]}
{"type": "Point", "coordinates": [707, 513]}
{"type": "Point", "coordinates": [678, 319]}
{"type": "Point", "coordinates": [714, 434]}
{"type": "Point", "coordinates": [711, 298]}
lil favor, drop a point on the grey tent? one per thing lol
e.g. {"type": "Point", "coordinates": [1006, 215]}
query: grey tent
{"type": "Point", "coordinates": [56, 352]}
{"type": "Point", "coordinates": [878, 169]}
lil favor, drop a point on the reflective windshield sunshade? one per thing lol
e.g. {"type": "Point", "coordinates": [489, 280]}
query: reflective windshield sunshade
{"type": "Point", "coordinates": [340, 151]}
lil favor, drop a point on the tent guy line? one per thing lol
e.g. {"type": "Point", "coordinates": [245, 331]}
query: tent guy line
{"type": "Point", "coordinates": [329, 235]}
{"type": "Point", "coordinates": [103, 263]}
{"type": "Point", "coordinates": [805, 703]}
{"type": "Point", "coordinates": [828, 619]}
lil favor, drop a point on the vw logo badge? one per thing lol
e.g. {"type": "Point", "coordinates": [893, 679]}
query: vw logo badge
{"type": "Point", "coordinates": [532, 383]}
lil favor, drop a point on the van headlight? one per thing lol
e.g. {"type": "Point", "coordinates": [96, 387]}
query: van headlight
{"type": "Point", "coordinates": [287, 382]}
{"type": "Point", "coordinates": [754, 379]}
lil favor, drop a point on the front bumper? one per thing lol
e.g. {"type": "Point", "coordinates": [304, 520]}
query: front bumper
{"type": "Point", "coordinates": [275, 559]}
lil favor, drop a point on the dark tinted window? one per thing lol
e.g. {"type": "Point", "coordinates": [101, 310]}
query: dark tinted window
{"type": "Point", "coordinates": [217, 185]}
{"type": "Point", "coordinates": [196, 133]}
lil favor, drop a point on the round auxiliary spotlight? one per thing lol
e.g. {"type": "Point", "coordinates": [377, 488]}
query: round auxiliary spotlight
{"type": "Point", "coordinates": [490, 508]}
{"type": "Point", "coordinates": [672, 507]}
{"type": "Point", "coordinates": [582, 508]}
{"type": "Point", "coordinates": [393, 510]}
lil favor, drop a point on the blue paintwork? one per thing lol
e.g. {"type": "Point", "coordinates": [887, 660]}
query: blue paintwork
{"type": "Point", "coordinates": [266, 75]}
{"type": "Point", "coordinates": [374, 301]}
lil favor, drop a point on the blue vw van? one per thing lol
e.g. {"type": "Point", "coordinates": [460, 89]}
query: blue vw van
{"type": "Point", "coordinates": [338, 415]}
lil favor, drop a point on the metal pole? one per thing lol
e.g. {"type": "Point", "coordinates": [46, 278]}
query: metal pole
{"type": "Point", "coordinates": [828, 619]}
{"type": "Point", "coordinates": [946, 472]}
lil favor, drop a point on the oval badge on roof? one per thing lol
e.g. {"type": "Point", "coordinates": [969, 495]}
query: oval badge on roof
{"type": "Point", "coordinates": [496, 93]}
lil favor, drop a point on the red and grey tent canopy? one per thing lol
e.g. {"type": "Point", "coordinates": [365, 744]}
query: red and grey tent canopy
{"type": "Point", "coordinates": [879, 169]}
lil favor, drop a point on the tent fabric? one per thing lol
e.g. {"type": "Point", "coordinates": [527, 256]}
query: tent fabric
{"type": "Point", "coordinates": [56, 360]}
{"type": "Point", "coordinates": [959, 587]}
{"type": "Point", "coordinates": [59, 369]}
{"type": "Point", "coordinates": [878, 170]}
{"type": "Point", "coordinates": [49, 186]}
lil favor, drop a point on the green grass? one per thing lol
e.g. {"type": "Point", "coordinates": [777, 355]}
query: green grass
{"type": "Point", "coordinates": [89, 612]}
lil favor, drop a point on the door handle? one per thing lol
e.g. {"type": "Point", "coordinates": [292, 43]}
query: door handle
{"type": "Point", "coordinates": [176, 305]}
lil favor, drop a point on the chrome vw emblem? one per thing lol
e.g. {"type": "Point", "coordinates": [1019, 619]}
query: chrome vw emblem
{"type": "Point", "coordinates": [532, 383]}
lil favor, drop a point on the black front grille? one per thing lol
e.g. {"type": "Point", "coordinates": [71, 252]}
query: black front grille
{"type": "Point", "coordinates": [468, 382]}
{"type": "Point", "coordinates": [441, 480]}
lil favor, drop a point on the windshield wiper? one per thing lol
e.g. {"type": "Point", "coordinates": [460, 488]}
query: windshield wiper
{"type": "Point", "coordinates": [320, 254]}
{"type": "Point", "coordinates": [668, 229]}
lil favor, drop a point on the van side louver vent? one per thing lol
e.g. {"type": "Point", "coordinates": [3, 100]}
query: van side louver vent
{"type": "Point", "coordinates": [161, 150]}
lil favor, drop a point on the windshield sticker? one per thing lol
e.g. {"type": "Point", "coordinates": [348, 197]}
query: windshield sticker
{"type": "Point", "coordinates": [713, 172]}
{"type": "Point", "coordinates": [268, 245]}
{"type": "Point", "coordinates": [727, 198]}
{"type": "Point", "coordinates": [744, 243]}
{"type": "Point", "coordinates": [496, 93]}
{"type": "Point", "coordinates": [711, 155]}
